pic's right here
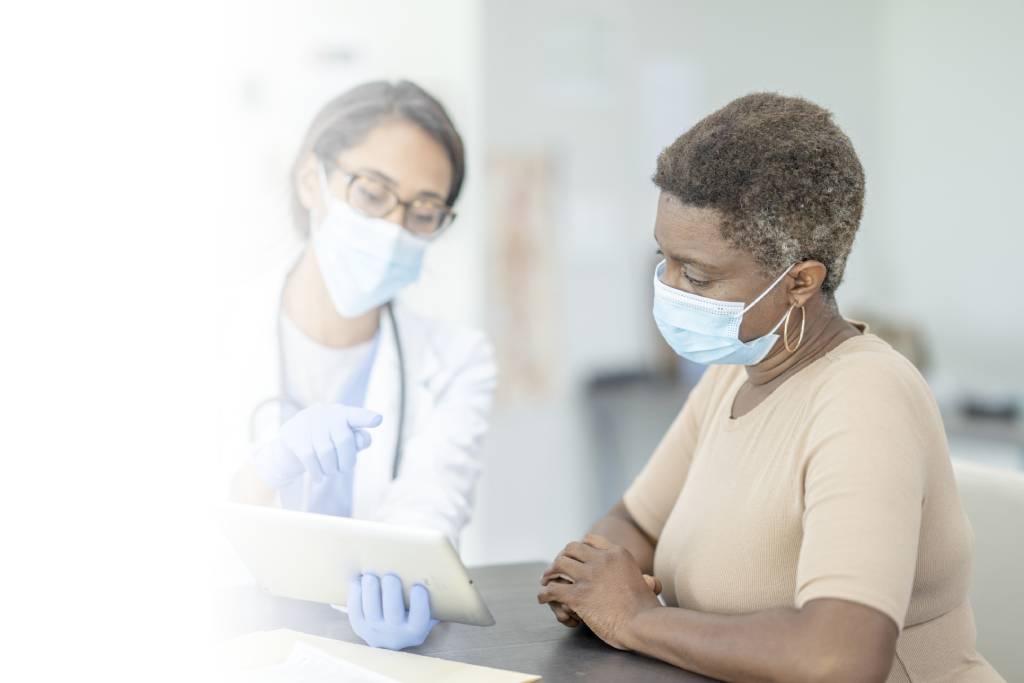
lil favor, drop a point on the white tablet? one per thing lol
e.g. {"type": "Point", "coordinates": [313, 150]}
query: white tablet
{"type": "Point", "coordinates": [313, 557]}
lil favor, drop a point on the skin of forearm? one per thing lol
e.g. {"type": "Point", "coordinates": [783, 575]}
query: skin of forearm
{"type": "Point", "coordinates": [772, 645]}
{"type": "Point", "coordinates": [619, 528]}
{"type": "Point", "coordinates": [825, 640]}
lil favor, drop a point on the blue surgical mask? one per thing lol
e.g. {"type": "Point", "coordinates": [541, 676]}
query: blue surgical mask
{"type": "Point", "coordinates": [364, 261]}
{"type": "Point", "coordinates": [707, 331]}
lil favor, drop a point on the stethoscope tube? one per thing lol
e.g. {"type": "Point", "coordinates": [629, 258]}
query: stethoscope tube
{"type": "Point", "coordinates": [401, 391]}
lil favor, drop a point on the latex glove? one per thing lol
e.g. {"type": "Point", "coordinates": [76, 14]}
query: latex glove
{"type": "Point", "coordinates": [322, 440]}
{"type": "Point", "coordinates": [376, 612]}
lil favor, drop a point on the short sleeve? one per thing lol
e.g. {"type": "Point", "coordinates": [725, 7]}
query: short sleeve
{"type": "Point", "coordinates": [864, 483]}
{"type": "Point", "coordinates": [652, 495]}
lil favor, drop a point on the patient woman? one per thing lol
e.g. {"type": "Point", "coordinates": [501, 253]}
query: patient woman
{"type": "Point", "coordinates": [801, 512]}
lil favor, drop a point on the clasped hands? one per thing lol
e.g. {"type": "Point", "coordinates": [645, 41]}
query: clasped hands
{"type": "Point", "coordinates": [600, 584]}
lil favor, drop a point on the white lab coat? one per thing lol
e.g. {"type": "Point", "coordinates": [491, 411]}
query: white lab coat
{"type": "Point", "coordinates": [450, 381]}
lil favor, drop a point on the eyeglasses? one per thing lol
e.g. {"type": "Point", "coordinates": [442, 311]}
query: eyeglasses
{"type": "Point", "coordinates": [422, 216]}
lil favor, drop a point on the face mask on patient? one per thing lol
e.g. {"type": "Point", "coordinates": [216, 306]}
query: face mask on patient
{"type": "Point", "coordinates": [707, 331]}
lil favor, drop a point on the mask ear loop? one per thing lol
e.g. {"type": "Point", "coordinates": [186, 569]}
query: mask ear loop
{"type": "Point", "coordinates": [325, 194]}
{"type": "Point", "coordinates": [321, 176]}
{"type": "Point", "coordinates": [770, 288]}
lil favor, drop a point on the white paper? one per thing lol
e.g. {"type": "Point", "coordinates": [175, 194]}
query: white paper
{"type": "Point", "coordinates": [307, 664]}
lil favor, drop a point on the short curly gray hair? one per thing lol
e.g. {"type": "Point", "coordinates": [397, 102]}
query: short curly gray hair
{"type": "Point", "coordinates": [784, 177]}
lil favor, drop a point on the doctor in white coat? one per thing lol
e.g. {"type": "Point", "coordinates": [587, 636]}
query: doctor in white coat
{"type": "Point", "coordinates": [379, 411]}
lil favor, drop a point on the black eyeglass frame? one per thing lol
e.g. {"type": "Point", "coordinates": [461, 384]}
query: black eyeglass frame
{"type": "Point", "coordinates": [350, 179]}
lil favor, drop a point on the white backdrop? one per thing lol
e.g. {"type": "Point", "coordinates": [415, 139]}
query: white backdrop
{"type": "Point", "coordinates": [144, 149]}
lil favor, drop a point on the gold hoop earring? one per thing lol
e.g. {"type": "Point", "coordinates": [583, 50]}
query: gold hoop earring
{"type": "Point", "coordinates": [785, 329]}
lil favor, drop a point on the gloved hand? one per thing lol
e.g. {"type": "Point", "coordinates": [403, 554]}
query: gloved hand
{"type": "Point", "coordinates": [322, 439]}
{"type": "Point", "coordinates": [376, 612]}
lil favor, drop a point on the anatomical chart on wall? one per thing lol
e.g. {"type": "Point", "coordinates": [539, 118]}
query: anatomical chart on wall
{"type": "Point", "coordinates": [523, 256]}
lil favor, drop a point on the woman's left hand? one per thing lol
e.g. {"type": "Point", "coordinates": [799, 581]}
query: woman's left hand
{"type": "Point", "coordinates": [607, 588]}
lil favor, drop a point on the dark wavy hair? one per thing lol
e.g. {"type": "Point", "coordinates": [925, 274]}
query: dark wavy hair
{"type": "Point", "coordinates": [782, 175]}
{"type": "Point", "coordinates": [347, 119]}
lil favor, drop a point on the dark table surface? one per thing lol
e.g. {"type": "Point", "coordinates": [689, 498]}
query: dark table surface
{"type": "Point", "coordinates": [525, 638]}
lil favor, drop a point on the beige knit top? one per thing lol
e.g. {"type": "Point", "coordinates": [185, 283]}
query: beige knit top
{"type": "Point", "coordinates": [838, 485]}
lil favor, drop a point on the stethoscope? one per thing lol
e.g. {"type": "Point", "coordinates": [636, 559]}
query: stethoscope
{"type": "Point", "coordinates": [295, 406]}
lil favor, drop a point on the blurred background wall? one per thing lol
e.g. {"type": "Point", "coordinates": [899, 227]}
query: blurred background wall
{"type": "Point", "coordinates": [136, 136]}
{"type": "Point", "coordinates": [564, 107]}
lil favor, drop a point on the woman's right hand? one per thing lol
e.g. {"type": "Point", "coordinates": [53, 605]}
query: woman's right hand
{"type": "Point", "coordinates": [321, 440]}
{"type": "Point", "coordinates": [567, 617]}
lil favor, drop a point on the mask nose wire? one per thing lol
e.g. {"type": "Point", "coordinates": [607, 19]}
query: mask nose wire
{"type": "Point", "coordinates": [770, 288]}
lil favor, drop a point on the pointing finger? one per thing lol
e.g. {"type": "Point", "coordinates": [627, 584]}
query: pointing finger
{"type": "Point", "coordinates": [361, 418]}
